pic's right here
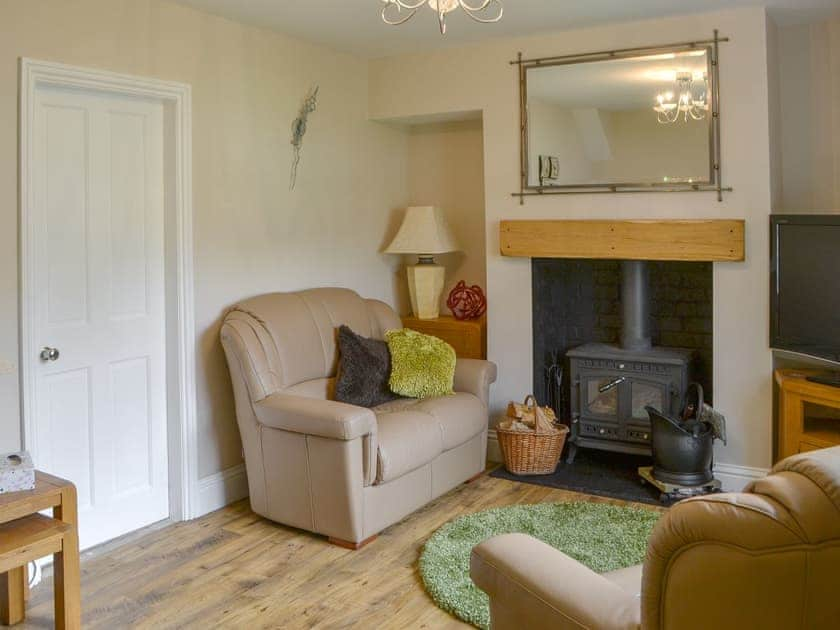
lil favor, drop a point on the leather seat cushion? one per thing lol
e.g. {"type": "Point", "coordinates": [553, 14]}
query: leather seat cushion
{"type": "Point", "coordinates": [461, 416]}
{"type": "Point", "coordinates": [400, 404]}
{"type": "Point", "coordinates": [407, 440]}
{"type": "Point", "coordinates": [449, 420]}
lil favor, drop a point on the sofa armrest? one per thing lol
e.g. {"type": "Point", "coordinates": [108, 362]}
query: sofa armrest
{"type": "Point", "coordinates": [532, 585]}
{"type": "Point", "coordinates": [312, 416]}
{"type": "Point", "coordinates": [474, 376]}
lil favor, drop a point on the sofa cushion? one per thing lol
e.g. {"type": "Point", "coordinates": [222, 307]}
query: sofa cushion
{"type": "Point", "coordinates": [454, 420]}
{"type": "Point", "coordinates": [363, 369]}
{"type": "Point", "coordinates": [407, 441]}
{"type": "Point", "coordinates": [461, 417]}
{"type": "Point", "coordinates": [289, 338]}
{"type": "Point", "coordinates": [421, 365]}
{"type": "Point", "coordinates": [400, 404]}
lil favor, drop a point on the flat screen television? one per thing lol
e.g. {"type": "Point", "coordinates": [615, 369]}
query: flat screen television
{"type": "Point", "coordinates": [805, 284]}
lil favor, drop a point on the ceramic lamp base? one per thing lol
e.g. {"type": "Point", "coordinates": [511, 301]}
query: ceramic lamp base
{"type": "Point", "coordinates": [425, 285]}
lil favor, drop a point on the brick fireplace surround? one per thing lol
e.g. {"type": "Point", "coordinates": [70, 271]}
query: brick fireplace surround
{"type": "Point", "coordinates": [579, 301]}
{"type": "Point", "coordinates": [619, 335]}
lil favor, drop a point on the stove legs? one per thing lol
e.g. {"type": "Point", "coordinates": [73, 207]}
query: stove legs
{"type": "Point", "coordinates": [570, 456]}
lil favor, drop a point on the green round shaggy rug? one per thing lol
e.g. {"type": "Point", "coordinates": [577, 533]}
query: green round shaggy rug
{"type": "Point", "coordinates": [603, 537]}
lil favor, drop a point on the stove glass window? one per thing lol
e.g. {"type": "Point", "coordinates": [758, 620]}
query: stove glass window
{"type": "Point", "coordinates": [644, 394]}
{"type": "Point", "coordinates": [601, 403]}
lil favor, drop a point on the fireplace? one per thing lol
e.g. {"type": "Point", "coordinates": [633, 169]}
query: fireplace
{"type": "Point", "coordinates": [604, 326]}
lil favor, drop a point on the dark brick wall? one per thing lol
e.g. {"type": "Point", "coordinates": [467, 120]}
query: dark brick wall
{"type": "Point", "coordinates": [579, 301]}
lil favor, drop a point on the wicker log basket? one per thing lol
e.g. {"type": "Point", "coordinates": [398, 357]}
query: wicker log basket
{"type": "Point", "coordinates": [530, 441]}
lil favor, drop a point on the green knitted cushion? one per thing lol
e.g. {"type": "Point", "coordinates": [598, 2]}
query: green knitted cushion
{"type": "Point", "coordinates": [421, 365]}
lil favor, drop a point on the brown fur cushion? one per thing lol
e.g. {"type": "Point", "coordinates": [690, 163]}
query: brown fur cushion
{"type": "Point", "coordinates": [364, 367]}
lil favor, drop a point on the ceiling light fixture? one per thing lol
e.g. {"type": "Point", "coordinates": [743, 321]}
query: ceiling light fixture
{"type": "Point", "coordinates": [689, 98]}
{"type": "Point", "coordinates": [480, 11]}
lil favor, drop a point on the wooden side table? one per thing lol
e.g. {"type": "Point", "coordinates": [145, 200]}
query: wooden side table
{"type": "Point", "coordinates": [468, 337]}
{"type": "Point", "coordinates": [809, 413]}
{"type": "Point", "coordinates": [26, 535]}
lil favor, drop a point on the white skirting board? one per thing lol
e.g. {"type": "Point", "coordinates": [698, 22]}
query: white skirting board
{"type": "Point", "coordinates": [221, 489]}
{"type": "Point", "coordinates": [732, 476]}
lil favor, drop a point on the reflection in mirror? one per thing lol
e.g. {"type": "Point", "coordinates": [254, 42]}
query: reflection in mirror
{"type": "Point", "coordinates": [633, 121]}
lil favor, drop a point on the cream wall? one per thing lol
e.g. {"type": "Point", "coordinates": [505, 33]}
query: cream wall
{"type": "Point", "coordinates": [251, 234]}
{"type": "Point", "coordinates": [479, 77]}
{"type": "Point", "coordinates": [809, 89]}
{"type": "Point", "coordinates": [446, 169]}
{"type": "Point", "coordinates": [774, 113]}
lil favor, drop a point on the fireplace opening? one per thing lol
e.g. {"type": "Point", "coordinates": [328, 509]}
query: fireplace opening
{"type": "Point", "coordinates": [611, 337]}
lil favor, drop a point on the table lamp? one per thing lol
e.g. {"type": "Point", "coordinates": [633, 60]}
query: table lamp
{"type": "Point", "coordinates": [424, 232]}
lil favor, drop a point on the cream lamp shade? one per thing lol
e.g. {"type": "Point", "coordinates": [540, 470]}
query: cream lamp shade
{"type": "Point", "coordinates": [424, 232]}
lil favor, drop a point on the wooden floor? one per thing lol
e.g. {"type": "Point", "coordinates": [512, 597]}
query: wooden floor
{"type": "Point", "coordinates": [235, 569]}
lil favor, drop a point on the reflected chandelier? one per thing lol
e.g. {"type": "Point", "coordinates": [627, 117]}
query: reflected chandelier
{"type": "Point", "coordinates": [484, 11]}
{"type": "Point", "coordinates": [689, 100]}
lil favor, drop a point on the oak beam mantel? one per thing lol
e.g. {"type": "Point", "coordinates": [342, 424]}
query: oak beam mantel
{"type": "Point", "coordinates": [693, 240]}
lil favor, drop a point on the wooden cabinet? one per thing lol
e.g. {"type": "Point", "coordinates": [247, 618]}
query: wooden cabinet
{"type": "Point", "coordinates": [468, 337]}
{"type": "Point", "coordinates": [809, 413]}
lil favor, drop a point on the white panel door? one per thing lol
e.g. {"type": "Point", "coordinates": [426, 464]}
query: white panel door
{"type": "Point", "coordinates": [98, 294]}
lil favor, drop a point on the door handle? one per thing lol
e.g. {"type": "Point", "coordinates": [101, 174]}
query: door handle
{"type": "Point", "coordinates": [49, 354]}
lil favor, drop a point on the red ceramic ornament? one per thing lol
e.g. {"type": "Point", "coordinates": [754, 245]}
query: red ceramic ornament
{"type": "Point", "coordinates": [467, 302]}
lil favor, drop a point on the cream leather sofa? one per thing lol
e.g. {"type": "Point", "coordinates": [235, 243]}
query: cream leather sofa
{"type": "Point", "coordinates": [339, 470]}
{"type": "Point", "coordinates": [766, 558]}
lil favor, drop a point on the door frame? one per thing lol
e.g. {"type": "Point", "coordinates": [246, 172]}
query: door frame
{"type": "Point", "coordinates": [182, 433]}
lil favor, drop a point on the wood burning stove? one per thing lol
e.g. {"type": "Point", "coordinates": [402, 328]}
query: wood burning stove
{"type": "Point", "coordinates": [611, 388]}
{"type": "Point", "coordinates": [612, 385]}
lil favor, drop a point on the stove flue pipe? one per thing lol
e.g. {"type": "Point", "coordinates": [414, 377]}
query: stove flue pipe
{"type": "Point", "coordinates": [635, 305]}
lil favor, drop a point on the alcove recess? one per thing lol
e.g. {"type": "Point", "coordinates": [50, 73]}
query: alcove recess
{"type": "Point", "coordinates": [445, 168]}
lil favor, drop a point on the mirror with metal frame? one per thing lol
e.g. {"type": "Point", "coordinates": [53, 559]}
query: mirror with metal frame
{"type": "Point", "coordinates": [621, 121]}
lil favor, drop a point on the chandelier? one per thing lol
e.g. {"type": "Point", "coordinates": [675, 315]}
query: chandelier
{"type": "Point", "coordinates": [484, 11]}
{"type": "Point", "coordinates": [687, 101]}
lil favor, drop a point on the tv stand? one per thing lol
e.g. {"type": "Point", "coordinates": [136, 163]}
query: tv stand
{"type": "Point", "coordinates": [809, 412]}
{"type": "Point", "coordinates": [832, 379]}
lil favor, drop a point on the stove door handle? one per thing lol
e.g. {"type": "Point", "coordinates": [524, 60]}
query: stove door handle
{"type": "Point", "coordinates": [611, 384]}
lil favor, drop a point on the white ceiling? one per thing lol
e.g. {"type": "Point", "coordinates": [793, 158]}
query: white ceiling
{"type": "Point", "coordinates": [355, 26]}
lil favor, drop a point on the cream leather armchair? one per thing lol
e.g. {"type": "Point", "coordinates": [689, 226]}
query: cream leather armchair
{"type": "Point", "coordinates": [766, 558]}
{"type": "Point", "coordinates": [339, 470]}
